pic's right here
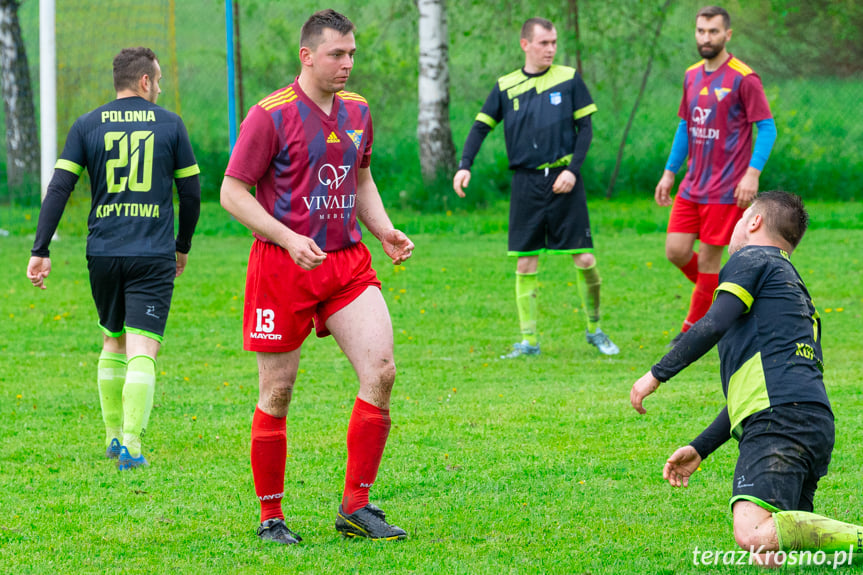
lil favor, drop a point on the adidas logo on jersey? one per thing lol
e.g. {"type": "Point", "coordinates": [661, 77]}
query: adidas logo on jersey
{"type": "Point", "coordinates": [333, 139]}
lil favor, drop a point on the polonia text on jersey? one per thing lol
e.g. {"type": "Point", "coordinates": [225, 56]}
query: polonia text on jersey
{"type": "Point", "coordinates": [128, 116]}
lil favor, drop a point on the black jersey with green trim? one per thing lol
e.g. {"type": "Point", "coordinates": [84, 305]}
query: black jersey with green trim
{"type": "Point", "coordinates": [772, 354]}
{"type": "Point", "coordinates": [133, 150]}
{"type": "Point", "coordinates": [539, 113]}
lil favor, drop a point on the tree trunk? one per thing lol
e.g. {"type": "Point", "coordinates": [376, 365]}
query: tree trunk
{"type": "Point", "coordinates": [662, 14]}
{"type": "Point", "coordinates": [572, 18]}
{"type": "Point", "coordinates": [22, 141]}
{"type": "Point", "coordinates": [437, 151]}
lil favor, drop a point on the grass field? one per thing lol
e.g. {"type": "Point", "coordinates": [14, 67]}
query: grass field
{"type": "Point", "coordinates": [537, 466]}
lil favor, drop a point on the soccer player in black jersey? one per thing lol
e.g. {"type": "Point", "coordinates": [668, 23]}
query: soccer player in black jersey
{"type": "Point", "coordinates": [768, 335]}
{"type": "Point", "coordinates": [134, 152]}
{"type": "Point", "coordinates": [546, 111]}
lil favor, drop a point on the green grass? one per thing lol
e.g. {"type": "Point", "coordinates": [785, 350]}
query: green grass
{"type": "Point", "coordinates": [492, 466]}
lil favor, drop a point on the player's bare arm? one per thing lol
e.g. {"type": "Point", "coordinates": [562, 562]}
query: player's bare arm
{"type": "Point", "coordinates": [37, 270]}
{"type": "Point", "coordinates": [461, 181]}
{"type": "Point", "coordinates": [236, 198]}
{"type": "Point", "coordinates": [663, 188]}
{"type": "Point", "coordinates": [680, 466]}
{"type": "Point", "coordinates": [747, 188]}
{"type": "Point", "coordinates": [371, 212]}
{"type": "Point", "coordinates": [564, 182]}
{"type": "Point", "coordinates": [645, 385]}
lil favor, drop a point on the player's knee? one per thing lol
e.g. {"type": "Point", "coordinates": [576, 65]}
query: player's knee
{"type": "Point", "coordinates": [383, 376]}
{"type": "Point", "coordinates": [584, 260]}
{"type": "Point", "coordinates": [279, 395]}
{"type": "Point", "coordinates": [386, 373]}
{"type": "Point", "coordinates": [278, 389]}
{"type": "Point", "coordinates": [678, 256]}
{"type": "Point", "coordinates": [748, 537]}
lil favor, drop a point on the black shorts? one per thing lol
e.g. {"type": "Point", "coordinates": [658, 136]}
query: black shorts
{"type": "Point", "coordinates": [132, 294]}
{"type": "Point", "coordinates": [784, 451]}
{"type": "Point", "coordinates": [542, 221]}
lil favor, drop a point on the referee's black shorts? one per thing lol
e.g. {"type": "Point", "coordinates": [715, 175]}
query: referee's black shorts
{"type": "Point", "coordinates": [542, 221]}
{"type": "Point", "coordinates": [132, 294]}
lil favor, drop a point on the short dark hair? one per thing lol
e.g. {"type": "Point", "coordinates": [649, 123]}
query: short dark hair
{"type": "Point", "coordinates": [784, 215]}
{"type": "Point", "coordinates": [313, 29]}
{"type": "Point", "coordinates": [131, 64]}
{"type": "Point", "coordinates": [528, 26]}
{"type": "Point", "coordinates": [713, 11]}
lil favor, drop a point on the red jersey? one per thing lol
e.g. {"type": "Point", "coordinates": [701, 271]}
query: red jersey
{"type": "Point", "coordinates": [305, 163]}
{"type": "Point", "coordinates": [719, 109]}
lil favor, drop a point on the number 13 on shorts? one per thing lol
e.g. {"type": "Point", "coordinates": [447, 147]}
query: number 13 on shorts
{"type": "Point", "coordinates": [264, 320]}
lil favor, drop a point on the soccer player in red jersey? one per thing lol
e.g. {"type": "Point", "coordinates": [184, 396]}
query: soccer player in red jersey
{"type": "Point", "coordinates": [722, 99]}
{"type": "Point", "coordinates": [307, 151]}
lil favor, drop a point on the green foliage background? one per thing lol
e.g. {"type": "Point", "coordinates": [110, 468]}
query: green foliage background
{"type": "Point", "coordinates": [807, 53]}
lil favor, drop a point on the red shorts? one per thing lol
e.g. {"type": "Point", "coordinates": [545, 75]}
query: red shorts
{"type": "Point", "coordinates": [284, 301]}
{"type": "Point", "coordinates": [712, 223]}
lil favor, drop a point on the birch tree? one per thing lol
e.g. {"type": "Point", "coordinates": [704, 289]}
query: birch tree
{"type": "Point", "coordinates": [437, 151]}
{"type": "Point", "coordinates": [22, 142]}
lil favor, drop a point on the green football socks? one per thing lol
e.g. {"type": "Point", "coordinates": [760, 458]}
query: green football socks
{"type": "Point", "coordinates": [802, 531]}
{"type": "Point", "coordinates": [111, 378]}
{"type": "Point", "coordinates": [588, 290]}
{"type": "Point", "coordinates": [526, 287]}
{"type": "Point", "coordinates": [137, 400]}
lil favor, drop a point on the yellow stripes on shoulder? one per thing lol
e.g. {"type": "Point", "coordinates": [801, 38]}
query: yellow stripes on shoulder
{"type": "Point", "coordinates": [739, 66]}
{"type": "Point", "coordinates": [352, 96]}
{"type": "Point", "coordinates": [696, 65]}
{"type": "Point", "coordinates": [506, 82]}
{"type": "Point", "coordinates": [285, 96]}
{"type": "Point", "coordinates": [517, 83]}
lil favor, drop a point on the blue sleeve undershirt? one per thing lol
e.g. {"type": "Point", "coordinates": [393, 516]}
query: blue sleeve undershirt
{"type": "Point", "coordinates": [679, 148]}
{"type": "Point", "coordinates": [763, 143]}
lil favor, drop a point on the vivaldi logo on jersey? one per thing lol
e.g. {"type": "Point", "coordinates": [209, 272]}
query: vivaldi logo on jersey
{"type": "Point", "coordinates": [700, 115]}
{"type": "Point", "coordinates": [331, 177]}
{"type": "Point", "coordinates": [699, 118]}
{"type": "Point", "coordinates": [331, 206]}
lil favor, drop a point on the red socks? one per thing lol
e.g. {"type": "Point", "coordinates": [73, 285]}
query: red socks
{"type": "Point", "coordinates": [702, 298]}
{"type": "Point", "coordinates": [367, 436]}
{"type": "Point", "coordinates": [690, 270]}
{"type": "Point", "coordinates": [269, 452]}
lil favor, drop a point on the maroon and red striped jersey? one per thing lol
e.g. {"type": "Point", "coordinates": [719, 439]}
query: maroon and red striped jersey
{"type": "Point", "coordinates": [304, 163]}
{"type": "Point", "coordinates": [719, 109]}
